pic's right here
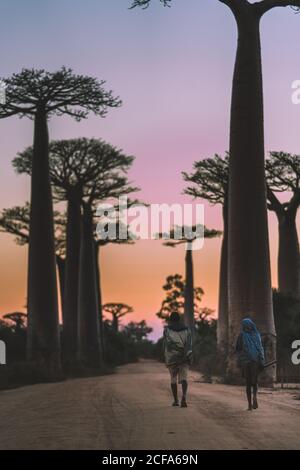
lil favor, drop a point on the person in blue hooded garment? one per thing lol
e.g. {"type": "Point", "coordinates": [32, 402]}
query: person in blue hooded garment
{"type": "Point", "coordinates": [251, 358]}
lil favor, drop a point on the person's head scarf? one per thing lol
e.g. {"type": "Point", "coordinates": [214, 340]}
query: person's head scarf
{"type": "Point", "coordinates": [252, 345]}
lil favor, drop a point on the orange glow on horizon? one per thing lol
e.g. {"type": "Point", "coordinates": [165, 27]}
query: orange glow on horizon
{"type": "Point", "coordinates": [133, 274]}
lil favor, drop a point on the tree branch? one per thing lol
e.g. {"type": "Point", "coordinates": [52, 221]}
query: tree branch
{"type": "Point", "coordinates": [294, 203]}
{"type": "Point", "coordinates": [274, 203]}
{"type": "Point", "coordinates": [235, 5]}
{"type": "Point", "coordinates": [267, 5]}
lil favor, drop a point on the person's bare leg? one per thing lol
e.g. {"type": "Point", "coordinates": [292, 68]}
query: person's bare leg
{"type": "Point", "coordinates": [184, 385]}
{"type": "Point", "coordinates": [175, 394]}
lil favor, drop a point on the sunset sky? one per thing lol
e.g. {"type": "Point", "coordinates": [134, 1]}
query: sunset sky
{"type": "Point", "coordinates": [172, 67]}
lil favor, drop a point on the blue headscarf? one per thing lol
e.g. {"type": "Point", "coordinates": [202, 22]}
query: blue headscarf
{"type": "Point", "coordinates": [252, 345]}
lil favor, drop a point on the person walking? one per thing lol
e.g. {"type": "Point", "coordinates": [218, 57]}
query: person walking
{"type": "Point", "coordinates": [251, 358]}
{"type": "Point", "coordinates": [178, 355]}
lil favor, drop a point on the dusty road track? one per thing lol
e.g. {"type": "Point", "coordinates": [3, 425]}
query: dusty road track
{"type": "Point", "coordinates": [131, 410]}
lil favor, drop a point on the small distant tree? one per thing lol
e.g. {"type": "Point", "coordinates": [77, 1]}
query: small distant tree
{"type": "Point", "coordinates": [138, 331]}
{"type": "Point", "coordinates": [117, 311]}
{"type": "Point", "coordinates": [283, 175]}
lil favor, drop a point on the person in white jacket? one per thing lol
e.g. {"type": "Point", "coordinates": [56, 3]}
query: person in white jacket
{"type": "Point", "coordinates": [178, 355]}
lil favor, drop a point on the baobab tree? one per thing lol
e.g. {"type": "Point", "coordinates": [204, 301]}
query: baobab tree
{"type": "Point", "coordinates": [83, 172]}
{"type": "Point", "coordinates": [283, 175]}
{"type": "Point", "coordinates": [188, 239]}
{"type": "Point", "coordinates": [117, 311]}
{"type": "Point", "coordinates": [138, 331]}
{"type": "Point", "coordinates": [39, 95]}
{"type": "Point", "coordinates": [99, 244]}
{"type": "Point", "coordinates": [16, 220]}
{"type": "Point", "coordinates": [249, 274]}
{"type": "Point", "coordinates": [113, 186]}
{"type": "Point", "coordinates": [209, 181]}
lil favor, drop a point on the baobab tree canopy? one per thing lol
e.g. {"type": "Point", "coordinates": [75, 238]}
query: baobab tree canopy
{"type": "Point", "coordinates": [283, 176]}
{"type": "Point", "coordinates": [146, 3]}
{"type": "Point", "coordinates": [207, 233]}
{"type": "Point", "coordinates": [263, 5]}
{"type": "Point", "coordinates": [283, 172]}
{"type": "Point", "coordinates": [16, 220]}
{"type": "Point", "coordinates": [209, 179]}
{"type": "Point", "coordinates": [91, 166]}
{"type": "Point", "coordinates": [57, 93]}
{"type": "Point", "coordinates": [118, 309]}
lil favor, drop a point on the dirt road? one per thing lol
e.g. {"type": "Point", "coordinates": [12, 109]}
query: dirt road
{"type": "Point", "coordinates": [131, 410]}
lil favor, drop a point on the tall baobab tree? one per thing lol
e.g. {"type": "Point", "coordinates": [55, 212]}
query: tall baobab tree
{"type": "Point", "coordinates": [99, 244]}
{"type": "Point", "coordinates": [117, 311]}
{"type": "Point", "coordinates": [249, 273]}
{"type": "Point", "coordinates": [39, 95]}
{"type": "Point", "coordinates": [114, 185]}
{"type": "Point", "coordinates": [189, 289]}
{"type": "Point", "coordinates": [209, 181]}
{"type": "Point", "coordinates": [283, 175]}
{"type": "Point", "coordinates": [16, 221]}
{"type": "Point", "coordinates": [83, 172]}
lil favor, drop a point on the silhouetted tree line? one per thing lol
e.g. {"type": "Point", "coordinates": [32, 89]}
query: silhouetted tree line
{"type": "Point", "coordinates": [128, 344]}
{"type": "Point", "coordinates": [80, 173]}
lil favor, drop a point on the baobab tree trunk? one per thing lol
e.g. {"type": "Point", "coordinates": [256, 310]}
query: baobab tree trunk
{"type": "Point", "coordinates": [288, 256]}
{"type": "Point", "coordinates": [222, 329]}
{"type": "Point", "coordinates": [70, 301]}
{"type": "Point", "coordinates": [248, 245]}
{"type": "Point", "coordinates": [89, 351]}
{"type": "Point", "coordinates": [61, 268]}
{"type": "Point", "coordinates": [115, 323]}
{"type": "Point", "coordinates": [189, 289]}
{"type": "Point", "coordinates": [43, 344]}
{"type": "Point", "coordinates": [99, 292]}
